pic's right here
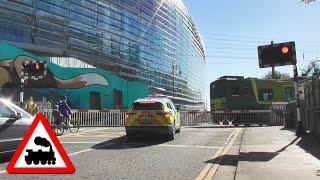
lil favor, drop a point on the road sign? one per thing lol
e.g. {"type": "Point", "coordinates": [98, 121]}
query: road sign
{"type": "Point", "coordinates": [40, 152]}
{"type": "Point", "coordinates": [273, 55]}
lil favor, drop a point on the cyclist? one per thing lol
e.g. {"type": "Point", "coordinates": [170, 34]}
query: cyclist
{"type": "Point", "coordinates": [58, 118]}
{"type": "Point", "coordinates": [65, 109]}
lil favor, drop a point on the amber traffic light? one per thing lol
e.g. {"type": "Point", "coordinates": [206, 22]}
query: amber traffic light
{"type": "Point", "coordinates": [284, 50]}
{"type": "Point", "coordinates": [273, 55]}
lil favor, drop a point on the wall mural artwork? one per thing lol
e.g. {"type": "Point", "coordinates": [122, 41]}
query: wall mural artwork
{"type": "Point", "coordinates": [10, 73]}
{"type": "Point", "coordinates": [82, 80]}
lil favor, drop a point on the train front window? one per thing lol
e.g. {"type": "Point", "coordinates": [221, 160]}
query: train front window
{"type": "Point", "coordinates": [289, 94]}
{"type": "Point", "coordinates": [265, 94]}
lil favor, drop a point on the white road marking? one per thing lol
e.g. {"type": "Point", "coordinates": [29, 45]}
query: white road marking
{"type": "Point", "coordinates": [208, 147]}
{"type": "Point", "coordinates": [81, 142]}
{"type": "Point", "coordinates": [79, 152]}
{"type": "Point", "coordinates": [6, 140]}
{"type": "Point", "coordinates": [172, 145]}
{"type": "Point", "coordinates": [3, 152]}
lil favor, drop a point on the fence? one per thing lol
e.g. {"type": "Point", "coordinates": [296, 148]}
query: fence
{"type": "Point", "coordinates": [117, 119]}
{"type": "Point", "coordinates": [93, 118]}
{"type": "Point", "coordinates": [274, 116]}
{"type": "Point", "coordinates": [312, 107]}
{"type": "Point", "coordinates": [221, 118]}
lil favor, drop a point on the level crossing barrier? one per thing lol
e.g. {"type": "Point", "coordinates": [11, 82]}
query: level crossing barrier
{"type": "Point", "coordinates": [232, 118]}
{"type": "Point", "coordinates": [92, 118]}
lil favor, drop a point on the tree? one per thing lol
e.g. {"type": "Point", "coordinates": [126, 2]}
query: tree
{"type": "Point", "coordinates": [308, 1]}
{"type": "Point", "coordinates": [312, 69]}
{"type": "Point", "coordinates": [277, 74]}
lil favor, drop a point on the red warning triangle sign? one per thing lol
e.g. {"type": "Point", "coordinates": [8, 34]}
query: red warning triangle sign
{"type": "Point", "coordinates": [40, 152]}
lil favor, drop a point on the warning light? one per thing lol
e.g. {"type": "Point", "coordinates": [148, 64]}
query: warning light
{"type": "Point", "coordinates": [285, 50]}
{"type": "Point", "coordinates": [281, 54]}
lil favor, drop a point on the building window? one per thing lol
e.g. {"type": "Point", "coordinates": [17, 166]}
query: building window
{"type": "Point", "coordinates": [265, 94]}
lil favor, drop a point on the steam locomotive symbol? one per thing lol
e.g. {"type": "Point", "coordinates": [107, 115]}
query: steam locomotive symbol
{"type": "Point", "coordinates": [44, 157]}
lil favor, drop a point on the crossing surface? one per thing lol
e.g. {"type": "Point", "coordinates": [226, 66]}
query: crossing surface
{"type": "Point", "coordinates": [196, 153]}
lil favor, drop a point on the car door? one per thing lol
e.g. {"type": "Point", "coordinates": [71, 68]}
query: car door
{"type": "Point", "coordinates": [11, 129]}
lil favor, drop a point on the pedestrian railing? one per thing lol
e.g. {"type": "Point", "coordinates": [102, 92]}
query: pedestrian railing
{"type": "Point", "coordinates": [93, 118]}
{"type": "Point", "coordinates": [217, 118]}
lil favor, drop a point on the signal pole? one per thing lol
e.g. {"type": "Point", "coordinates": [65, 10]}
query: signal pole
{"type": "Point", "coordinates": [21, 92]}
{"type": "Point", "coordinates": [272, 71]}
{"type": "Point", "coordinates": [296, 86]}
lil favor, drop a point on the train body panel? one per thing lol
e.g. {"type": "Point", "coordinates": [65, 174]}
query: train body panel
{"type": "Point", "coordinates": [235, 92]}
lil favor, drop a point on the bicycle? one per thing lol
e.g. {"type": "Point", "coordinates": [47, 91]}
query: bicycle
{"type": "Point", "coordinates": [60, 128]}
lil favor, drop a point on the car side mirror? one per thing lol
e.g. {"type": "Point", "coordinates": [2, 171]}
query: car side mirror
{"type": "Point", "coordinates": [16, 116]}
{"type": "Point", "coordinates": [178, 108]}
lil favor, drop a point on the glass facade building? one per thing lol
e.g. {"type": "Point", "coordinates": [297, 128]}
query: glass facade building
{"type": "Point", "coordinates": [149, 40]}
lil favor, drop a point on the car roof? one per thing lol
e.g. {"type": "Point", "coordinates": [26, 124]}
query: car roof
{"type": "Point", "coordinates": [161, 100]}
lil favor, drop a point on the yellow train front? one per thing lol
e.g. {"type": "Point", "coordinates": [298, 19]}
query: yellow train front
{"type": "Point", "coordinates": [152, 116]}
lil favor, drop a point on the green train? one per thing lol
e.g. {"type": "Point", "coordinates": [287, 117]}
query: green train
{"type": "Point", "coordinates": [239, 93]}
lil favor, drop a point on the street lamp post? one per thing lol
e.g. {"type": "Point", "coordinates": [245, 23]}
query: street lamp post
{"type": "Point", "coordinates": [174, 68]}
{"type": "Point", "coordinates": [173, 78]}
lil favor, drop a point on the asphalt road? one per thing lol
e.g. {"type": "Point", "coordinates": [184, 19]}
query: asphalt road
{"type": "Point", "coordinates": [105, 153]}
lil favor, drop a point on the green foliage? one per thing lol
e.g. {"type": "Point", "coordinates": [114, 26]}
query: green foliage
{"type": "Point", "coordinates": [277, 74]}
{"type": "Point", "coordinates": [310, 69]}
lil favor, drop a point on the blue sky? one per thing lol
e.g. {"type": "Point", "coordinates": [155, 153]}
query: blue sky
{"type": "Point", "coordinates": [233, 29]}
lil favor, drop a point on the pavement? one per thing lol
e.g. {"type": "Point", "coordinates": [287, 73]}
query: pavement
{"type": "Point", "coordinates": [196, 153]}
{"type": "Point", "coordinates": [276, 153]}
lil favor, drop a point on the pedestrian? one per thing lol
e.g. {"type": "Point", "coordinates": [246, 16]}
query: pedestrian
{"type": "Point", "coordinates": [31, 107]}
{"type": "Point", "coordinates": [65, 109]}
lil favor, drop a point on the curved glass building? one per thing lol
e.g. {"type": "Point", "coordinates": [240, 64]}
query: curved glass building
{"type": "Point", "coordinates": [149, 40]}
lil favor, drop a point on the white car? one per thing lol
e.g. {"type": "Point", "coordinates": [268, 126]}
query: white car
{"type": "Point", "coordinates": [13, 124]}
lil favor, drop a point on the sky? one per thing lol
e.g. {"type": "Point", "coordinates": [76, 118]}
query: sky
{"type": "Point", "coordinates": [233, 29]}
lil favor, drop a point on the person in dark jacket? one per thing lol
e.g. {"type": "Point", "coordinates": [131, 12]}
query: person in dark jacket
{"type": "Point", "coordinates": [65, 109]}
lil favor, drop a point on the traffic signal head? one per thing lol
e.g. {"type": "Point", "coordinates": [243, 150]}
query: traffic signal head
{"type": "Point", "coordinates": [32, 68]}
{"type": "Point", "coordinates": [281, 54]}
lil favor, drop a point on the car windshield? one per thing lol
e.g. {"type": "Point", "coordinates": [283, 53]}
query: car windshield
{"type": "Point", "coordinates": [16, 109]}
{"type": "Point", "coordinates": [147, 106]}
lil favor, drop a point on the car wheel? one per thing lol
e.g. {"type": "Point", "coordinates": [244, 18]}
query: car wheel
{"type": "Point", "coordinates": [172, 132]}
{"type": "Point", "coordinates": [178, 130]}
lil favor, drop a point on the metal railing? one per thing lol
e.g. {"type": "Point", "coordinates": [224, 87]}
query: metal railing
{"type": "Point", "coordinates": [234, 118]}
{"type": "Point", "coordinates": [220, 118]}
{"type": "Point", "coordinates": [93, 118]}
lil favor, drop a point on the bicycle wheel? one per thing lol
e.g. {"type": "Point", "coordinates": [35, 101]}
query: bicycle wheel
{"type": "Point", "coordinates": [59, 130]}
{"type": "Point", "coordinates": [75, 126]}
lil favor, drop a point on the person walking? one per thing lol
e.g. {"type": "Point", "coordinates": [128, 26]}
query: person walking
{"type": "Point", "coordinates": [31, 107]}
